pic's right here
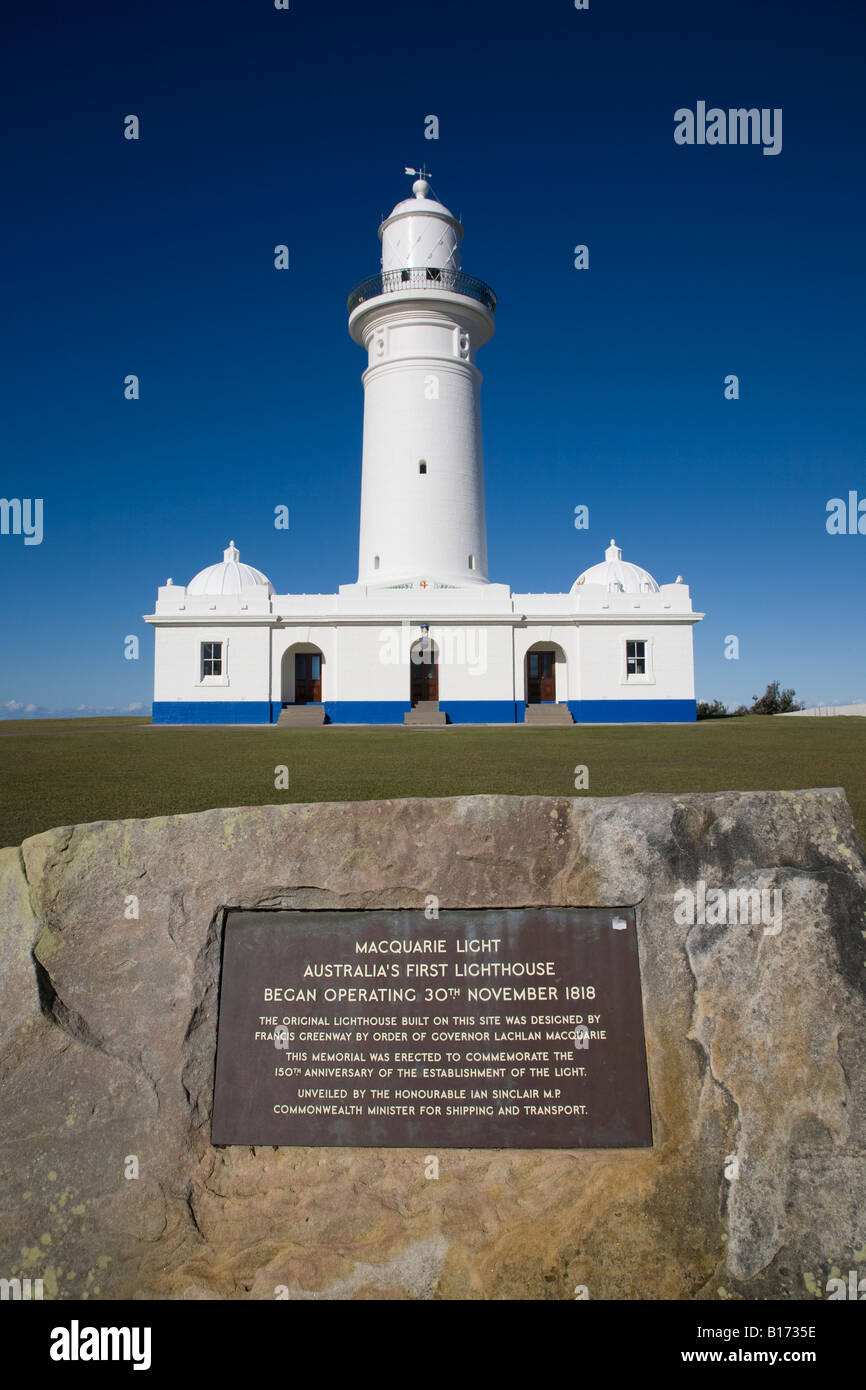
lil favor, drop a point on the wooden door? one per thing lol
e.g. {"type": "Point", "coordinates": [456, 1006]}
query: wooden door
{"type": "Point", "coordinates": [424, 677]}
{"type": "Point", "coordinates": [308, 678]}
{"type": "Point", "coordinates": [540, 678]}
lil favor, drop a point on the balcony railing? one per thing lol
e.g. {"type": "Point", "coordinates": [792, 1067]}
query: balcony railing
{"type": "Point", "coordinates": [422, 278]}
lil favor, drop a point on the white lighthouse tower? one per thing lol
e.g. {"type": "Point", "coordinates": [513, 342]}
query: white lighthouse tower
{"type": "Point", "coordinates": [422, 321]}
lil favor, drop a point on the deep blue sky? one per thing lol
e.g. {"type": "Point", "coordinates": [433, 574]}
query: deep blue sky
{"type": "Point", "coordinates": [603, 387]}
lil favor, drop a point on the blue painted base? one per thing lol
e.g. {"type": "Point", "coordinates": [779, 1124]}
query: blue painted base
{"type": "Point", "coordinates": [392, 711]}
{"type": "Point", "coordinates": [633, 711]}
{"type": "Point", "coordinates": [212, 711]}
{"type": "Point", "coordinates": [366, 711]}
{"type": "Point", "coordinates": [479, 711]}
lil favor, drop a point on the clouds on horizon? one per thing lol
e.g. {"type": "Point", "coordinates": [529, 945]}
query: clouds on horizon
{"type": "Point", "coordinates": [17, 709]}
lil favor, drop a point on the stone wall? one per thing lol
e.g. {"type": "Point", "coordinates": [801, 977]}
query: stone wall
{"type": "Point", "coordinates": [755, 1045]}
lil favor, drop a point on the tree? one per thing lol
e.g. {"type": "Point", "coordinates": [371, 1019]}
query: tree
{"type": "Point", "coordinates": [717, 709]}
{"type": "Point", "coordinates": [776, 701]}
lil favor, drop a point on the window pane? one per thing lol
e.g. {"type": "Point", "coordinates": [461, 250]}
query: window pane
{"type": "Point", "coordinates": [635, 658]}
{"type": "Point", "coordinates": [211, 658]}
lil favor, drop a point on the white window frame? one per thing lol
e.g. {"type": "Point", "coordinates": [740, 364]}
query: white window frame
{"type": "Point", "coordinates": [648, 678]}
{"type": "Point", "coordinates": [222, 680]}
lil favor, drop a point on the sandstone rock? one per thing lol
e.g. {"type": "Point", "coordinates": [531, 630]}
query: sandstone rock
{"type": "Point", "coordinates": [754, 1046]}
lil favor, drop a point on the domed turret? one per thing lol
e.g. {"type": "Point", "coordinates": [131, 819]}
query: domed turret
{"type": "Point", "coordinates": [617, 575]}
{"type": "Point", "coordinates": [229, 577]}
{"type": "Point", "coordinates": [420, 232]}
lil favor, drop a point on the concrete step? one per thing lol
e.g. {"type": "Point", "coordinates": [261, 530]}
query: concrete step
{"type": "Point", "coordinates": [543, 716]}
{"type": "Point", "coordinates": [425, 715]}
{"type": "Point", "coordinates": [301, 716]}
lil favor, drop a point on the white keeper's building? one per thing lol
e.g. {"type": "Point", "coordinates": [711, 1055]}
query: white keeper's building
{"type": "Point", "coordinates": [423, 636]}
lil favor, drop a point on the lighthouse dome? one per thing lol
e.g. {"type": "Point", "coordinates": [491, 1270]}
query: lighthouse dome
{"type": "Point", "coordinates": [228, 577]}
{"type": "Point", "coordinates": [420, 232]}
{"type": "Point", "coordinates": [617, 575]}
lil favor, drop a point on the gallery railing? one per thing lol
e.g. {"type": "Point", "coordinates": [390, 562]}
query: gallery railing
{"type": "Point", "coordinates": [422, 278]}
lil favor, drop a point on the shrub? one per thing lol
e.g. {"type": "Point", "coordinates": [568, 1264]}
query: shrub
{"type": "Point", "coordinates": [715, 710]}
{"type": "Point", "coordinates": [775, 701]}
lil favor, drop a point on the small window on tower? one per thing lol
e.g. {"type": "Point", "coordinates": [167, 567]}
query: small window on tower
{"type": "Point", "coordinates": [472, 562]}
{"type": "Point", "coordinates": [433, 273]}
{"type": "Point", "coordinates": [635, 658]}
{"type": "Point", "coordinates": [211, 659]}
{"type": "Point", "coordinates": [422, 466]}
{"type": "Point", "coordinates": [375, 562]}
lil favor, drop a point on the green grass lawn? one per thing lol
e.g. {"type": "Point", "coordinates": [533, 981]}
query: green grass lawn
{"type": "Point", "coordinates": [62, 771]}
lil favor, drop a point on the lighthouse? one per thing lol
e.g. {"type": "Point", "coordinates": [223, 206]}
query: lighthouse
{"type": "Point", "coordinates": [423, 638]}
{"type": "Point", "coordinates": [421, 322]}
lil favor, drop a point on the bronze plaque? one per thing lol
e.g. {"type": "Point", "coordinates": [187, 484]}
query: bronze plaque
{"type": "Point", "coordinates": [518, 1029]}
